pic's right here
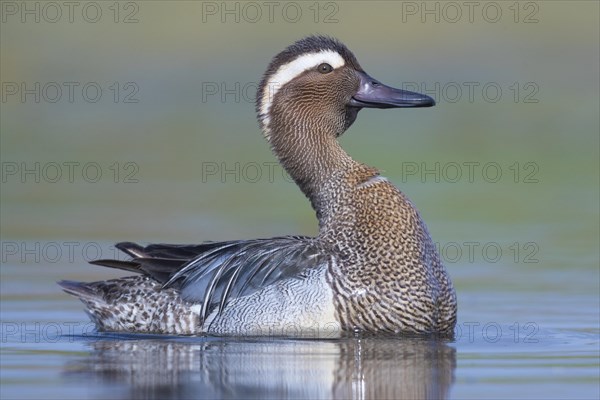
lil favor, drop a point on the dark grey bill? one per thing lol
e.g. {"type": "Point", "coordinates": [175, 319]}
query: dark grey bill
{"type": "Point", "coordinates": [374, 94]}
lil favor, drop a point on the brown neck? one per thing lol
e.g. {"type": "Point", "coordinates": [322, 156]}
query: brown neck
{"type": "Point", "coordinates": [313, 158]}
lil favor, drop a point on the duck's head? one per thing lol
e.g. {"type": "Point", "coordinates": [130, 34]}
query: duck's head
{"type": "Point", "coordinates": [317, 84]}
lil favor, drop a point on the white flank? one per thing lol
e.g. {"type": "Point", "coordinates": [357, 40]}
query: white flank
{"type": "Point", "coordinates": [289, 71]}
{"type": "Point", "coordinates": [196, 308]}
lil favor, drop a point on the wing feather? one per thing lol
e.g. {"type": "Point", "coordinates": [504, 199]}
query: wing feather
{"type": "Point", "coordinates": [214, 273]}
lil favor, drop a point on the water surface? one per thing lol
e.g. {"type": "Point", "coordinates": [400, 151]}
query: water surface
{"type": "Point", "coordinates": [507, 342]}
{"type": "Point", "coordinates": [519, 233]}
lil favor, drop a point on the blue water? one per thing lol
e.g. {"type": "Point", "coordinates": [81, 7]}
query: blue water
{"type": "Point", "coordinates": [520, 239]}
{"type": "Point", "coordinates": [507, 344]}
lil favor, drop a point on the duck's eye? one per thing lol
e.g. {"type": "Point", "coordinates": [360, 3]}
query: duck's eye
{"type": "Point", "coordinates": [325, 68]}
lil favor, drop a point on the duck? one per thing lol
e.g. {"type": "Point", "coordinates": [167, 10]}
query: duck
{"type": "Point", "coordinates": [372, 268]}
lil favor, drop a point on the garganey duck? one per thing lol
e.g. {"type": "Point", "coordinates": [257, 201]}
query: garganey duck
{"type": "Point", "coordinates": [373, 267]}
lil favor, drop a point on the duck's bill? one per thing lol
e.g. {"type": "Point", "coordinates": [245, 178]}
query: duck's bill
{"type": "Point", "coordinates": [374, 94]}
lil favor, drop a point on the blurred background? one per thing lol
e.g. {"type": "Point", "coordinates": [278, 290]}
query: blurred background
{"type": "Point", "coordinates": [135, 121]}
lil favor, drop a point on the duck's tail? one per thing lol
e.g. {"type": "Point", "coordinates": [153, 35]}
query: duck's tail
{"type": "Point", "coordinates": [82, 290]}
{"type": "Point", "coordinates": [135, 304]}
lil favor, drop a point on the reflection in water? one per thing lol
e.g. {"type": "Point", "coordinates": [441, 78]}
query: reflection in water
{"type": "Point", "coordinates": [369, 368]}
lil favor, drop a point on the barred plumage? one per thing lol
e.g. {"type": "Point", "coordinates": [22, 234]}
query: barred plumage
{"type": "Point", "coordinates": [373, 266]}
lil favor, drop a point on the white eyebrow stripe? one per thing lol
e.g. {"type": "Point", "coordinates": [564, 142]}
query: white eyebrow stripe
{"type": "Point", "coordinates": [289, 71]}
